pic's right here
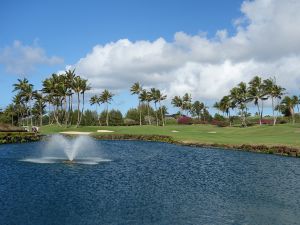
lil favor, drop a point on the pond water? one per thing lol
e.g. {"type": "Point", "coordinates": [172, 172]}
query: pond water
{"type": "Point", "coordinates": [149, 183]}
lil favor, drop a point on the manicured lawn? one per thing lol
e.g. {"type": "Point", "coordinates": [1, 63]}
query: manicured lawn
{"type": "Point", "coordinates": [268, 135]}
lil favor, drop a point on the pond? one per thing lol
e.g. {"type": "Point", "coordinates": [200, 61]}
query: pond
{"type": "Point", "coordinates": [149, 183]}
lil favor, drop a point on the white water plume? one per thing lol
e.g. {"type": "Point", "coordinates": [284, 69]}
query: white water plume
{"type": "Point", "coordinates": [81, 150]}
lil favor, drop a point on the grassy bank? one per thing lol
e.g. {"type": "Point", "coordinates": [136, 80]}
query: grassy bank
{"type": "Point", "coordinates": [285, 135]}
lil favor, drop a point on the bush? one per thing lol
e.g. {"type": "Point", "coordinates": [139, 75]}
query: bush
{"type": "Point", "coordinates": [130, 122]}
{"type": "Point", "coordinates": [219, 117]}
{"type": "Point", "coordinates": [266, 121]}
{"type": "Point", "coordinates": [220, 123]}
{"type": "Point", "coordinates": [184, 120]}
{"type": "Point", "coordinates": [170, 121]}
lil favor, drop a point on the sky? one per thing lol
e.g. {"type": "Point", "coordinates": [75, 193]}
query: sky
{"type": "Point", "coordinates": [200, 47]}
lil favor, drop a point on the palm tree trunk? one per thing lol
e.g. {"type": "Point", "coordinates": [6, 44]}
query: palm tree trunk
{"type": "Point", "coordinates": [156, 114]}
{"type": "Point", "coordinates": [273, 112]}
{"type": "Point", "coordinates": [82, 109]}
{"type": "Point", "coordinates": [106, 114]}
{"type": "Point", "coordinates": [229, 118]}
{"type": "Point", "coordinates": [30, 113]}
{"type": "Point", "coordinates": [71, 110]}
{"type": "Point", "coordinates": [293, 115]}
{"type": "Point", "coordinates": [148, 108]}
{"type": "Point", "coordinates": [258, 109]}
{"type": "Point", "coordinates": [262, 109]}
{"type": "Point", "coordinates": [140, 113]}
{"type": "Point", "coordinates": [162, 116]}
{"type": "Point", "coordinates": [78, 109]}
{"type": "Point", "coordinates": [41, 116]}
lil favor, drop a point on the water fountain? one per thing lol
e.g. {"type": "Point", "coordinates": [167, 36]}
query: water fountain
{"type": "Point", "coordinates": [60, 149]}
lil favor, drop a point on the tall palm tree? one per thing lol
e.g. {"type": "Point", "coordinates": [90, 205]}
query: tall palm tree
{"type": "Point", "coordinates": [225, 105]}
{"type": "Point", "coordinates": [95, 100]}
{"type": "Point", "coordinates": [289, 103]}
{"type": "Point", "coordinates": [84, 87]}
{"type": "Point", "coordinates": [177, 102]}
{"type": "Point", "coordinates": [136, 89]}
{"type": "Point", "coordinates": [257, 93]}
{"type": "Point", "coordinates": [197, 108]}
{"type": "Point", "coordinates": [275, 92]}
{"type": "Point", "coordinates": [77, 87]}
{"type": "Point", "coordinates": [217, 106]}
{"type": "Point", "coordinates": [186, 102]}
{"type": "Point", "coordinates": [154, 98]}
{"type": "Point", "coordinates": [26, 92]}
{"type": "Point", "coordinates": [144, 97]}
{"type": "Point", "coordinates": [40, 105]}
{"type": "Point", "coordinates": [239, 98]}
{"type": "Point", "coordinates": [161, 97]}
{"type": "Point", "coordinates": [106, 97]}
{"type": "Point", "coordinates": [70, 75]}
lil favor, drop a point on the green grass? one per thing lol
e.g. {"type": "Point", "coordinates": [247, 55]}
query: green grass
{"type": "Point", "coordinates": [288, 135]}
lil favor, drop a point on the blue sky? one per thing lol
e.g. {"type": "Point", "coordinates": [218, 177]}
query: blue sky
{"type": "Point", "coordinates": [61, 33]}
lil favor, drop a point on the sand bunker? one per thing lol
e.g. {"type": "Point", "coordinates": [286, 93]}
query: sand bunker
{"type": "Point", "coordinates": [212, 132]}
{"type": "Point", "coordinates": [174, 131]}
{"type": "Point", "coordinates": [75, 132]}
{"type": "Point", "coordinates": [105, 131]}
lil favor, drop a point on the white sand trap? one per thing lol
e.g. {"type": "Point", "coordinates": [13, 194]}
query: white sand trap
{"type": "Point", "coordinates": [174, 131]}
{"type": "Point", "coordinates": [105, 131]}
{"type": "Point", "coordinates": [75, 132]}
{"type": "Point", "coordinates": [212, 132]}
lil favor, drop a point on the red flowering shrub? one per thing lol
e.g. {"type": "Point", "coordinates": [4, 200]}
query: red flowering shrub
{"type": "Point", "coordinates": [184, 120]}
{"type": "Point", "coordinates": [266, 121]}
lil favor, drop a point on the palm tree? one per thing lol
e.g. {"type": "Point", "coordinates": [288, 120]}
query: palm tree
{"type": "Point", "coordinates": [144, 97]}
{"type": "Point", "coordinates": [186, 102]}
{"type": "Point", "coordinates": [70, 75]}
{"type": "Point", "coordinates": [275, 92]}
{"type": "Point", "coordinates": [217, 106]}
{"type": "Point", "coordinates": [39, 105]}
{"type": "Point", "coordinates": [177, 102]}
{"type": "Point", "coordinates": [19, 107]}
{"type": "Point", "coordinates": [50, 88]}
{"type": "Point", "coordinates": [95, 100]}
{"type": "Point", "coordinates": [106, 97]}
{"type": "Point", "coordinates": [257, 93]}
{"type": "Point", "coordinates": [26, 92]}
{"type": "Point", "coordinates": [77, 87]}
{"type": "Point", "coordinates": [136, 89]}
{"type": "Point", "coordinates": [239, 98]}
{"type": "Point", "coordinates": [225, 105]}
{"type": "Point", "coordinates": [154, 98]}
{"type": "Point", "coordinates": [160, 97]}
{"type": "Point", "coordinates": [289, 103]}
{"type": "Point", "coordinates": [197, 108]}
{"type": "Point", "coordinates": [84, 87]}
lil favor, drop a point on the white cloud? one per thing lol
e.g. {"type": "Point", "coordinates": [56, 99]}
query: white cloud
{"type": "Point", "coordinates": [21, 59]}
{"type": "Point", "coordinates": [266, 43]}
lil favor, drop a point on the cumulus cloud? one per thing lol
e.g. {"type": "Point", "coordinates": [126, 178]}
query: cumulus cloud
{"type": "Point", "coordinates": [266, 43]}
{"type": "Point", "coordinates": [21, 59]}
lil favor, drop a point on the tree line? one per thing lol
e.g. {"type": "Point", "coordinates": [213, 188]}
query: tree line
{"type": "Point", "coordinates": [60, 92]}
{"type": "Point", "coordinates": [258, 91]}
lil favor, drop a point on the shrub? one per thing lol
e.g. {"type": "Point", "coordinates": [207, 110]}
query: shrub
{"type": "Point", "coordinates": [220, 123]}
{"type": "Point", "coordinates": [266, 121]}
{"type": "Point", "coordinates": [130, 122]}
{"type": "Point", "coordinates": [184, 120]}
{"type": "Point", "coordinates": [219, 117]}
